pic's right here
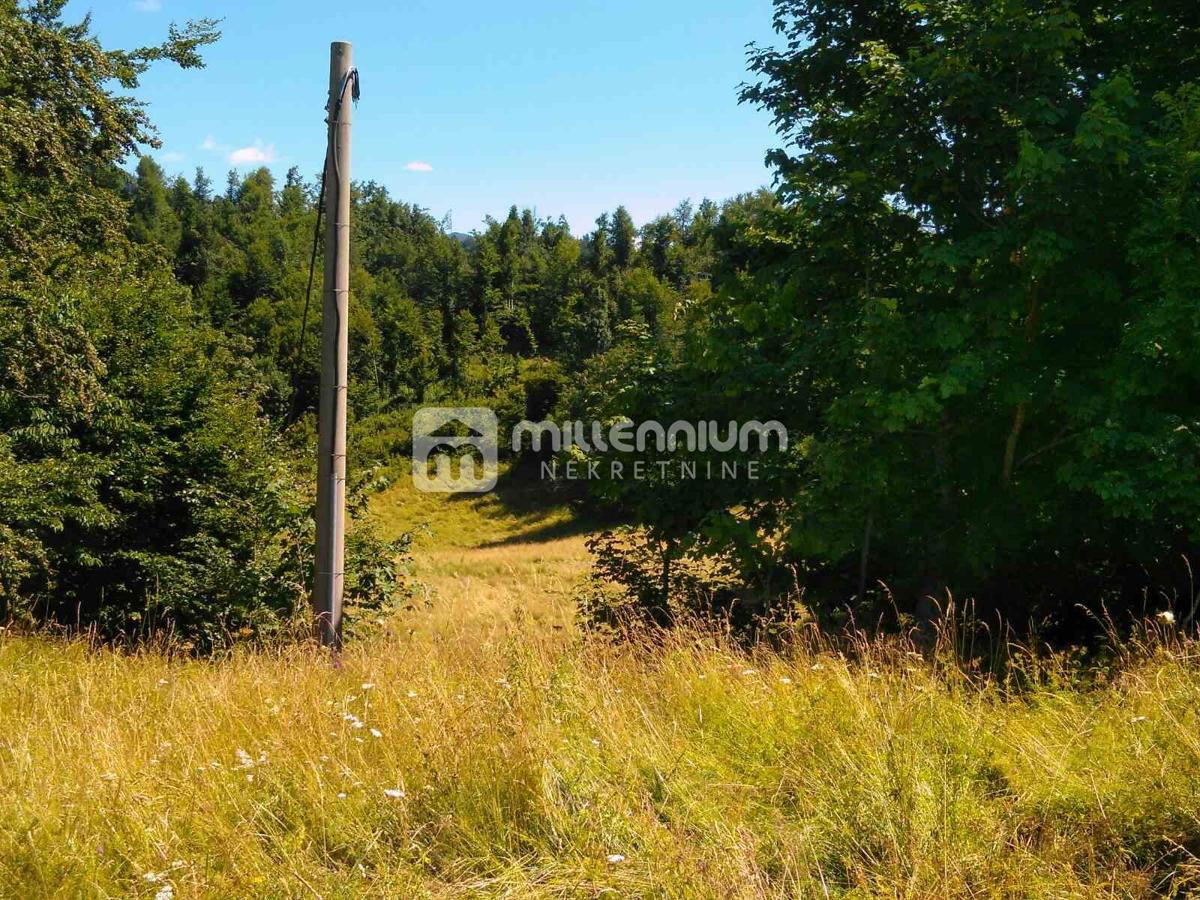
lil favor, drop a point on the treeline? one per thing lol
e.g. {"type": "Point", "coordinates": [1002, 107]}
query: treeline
{"type": "Point", "coordinates": [436, 314]}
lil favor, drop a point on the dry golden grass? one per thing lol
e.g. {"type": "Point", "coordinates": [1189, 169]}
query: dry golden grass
{"type": "Point", "coordinates": [479, 751]}
{"type": "Point", "coordinates": [487, 562]}
{"type": "Point", "coordinates": [523, 764]}
{"type": "Point", "coordinates": [473, 592]}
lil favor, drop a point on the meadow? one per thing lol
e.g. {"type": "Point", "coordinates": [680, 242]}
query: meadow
{"type": "Point", "coordinates": [962, 272]}
{"type": "Point", "coordinates": [484, 746]}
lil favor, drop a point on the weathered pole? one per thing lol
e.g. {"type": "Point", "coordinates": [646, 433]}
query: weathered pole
{"type": "Point", "coordinates": [331, 423]}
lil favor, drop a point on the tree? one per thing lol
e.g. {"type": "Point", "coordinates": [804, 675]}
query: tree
{"type": "Point", "coordinates": [408, 348]}
{"type": "Point", "coordinates": [65, 132]}
{"type": "Point", "coordinates": [141, 488]}
{"type": "Point", "coordinates": [657, 239]}
{"type": "Point", "coordinates": [624, 237]}
{"type": "Point", "coordinates": [600, 246]}
{"type": "Point", "coordinates": [645, 297]}
{"type": "Point", "coordinates": [970, 335]}
{"type": "Point", "coordinates": [151, 217]}
{"type": "Point", "coordinates": [972, 303]}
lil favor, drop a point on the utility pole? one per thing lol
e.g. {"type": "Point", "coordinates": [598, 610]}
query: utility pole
{"type": "Point", "coordinates": [331, 422]}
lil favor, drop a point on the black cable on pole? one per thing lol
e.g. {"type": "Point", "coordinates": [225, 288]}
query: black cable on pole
{"type": "Point", "coordinates": [294, 411]}
{"type": "Point", "coordinates": [351, 79]}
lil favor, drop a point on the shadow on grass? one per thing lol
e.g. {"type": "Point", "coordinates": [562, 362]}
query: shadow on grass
{"type": "Point", "coordinates": [529, 499]}
{"type": "Point", "coordinates": [540, 534]}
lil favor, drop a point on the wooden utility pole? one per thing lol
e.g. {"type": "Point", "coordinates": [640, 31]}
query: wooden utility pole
{"type": "Point", "coordinates": [331, 423]}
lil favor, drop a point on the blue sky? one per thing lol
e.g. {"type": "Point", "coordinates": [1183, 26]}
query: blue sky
{"type": "Point", "coordinates": [469, 107]}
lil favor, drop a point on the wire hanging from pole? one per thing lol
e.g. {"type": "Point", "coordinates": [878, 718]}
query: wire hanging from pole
{"type": "Point", "coordinates": [352, 81]}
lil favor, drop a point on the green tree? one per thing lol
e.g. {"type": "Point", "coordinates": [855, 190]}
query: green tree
{"type": "Point", "coordinates": [152, 220]}
{"type": "Point", "coordinates": [972, 303]}
{"type": "Point", "coordinates": [65, 133]}
{"type": "Point", "coordinates": [624, 238]}
{"type": "Point", "coordinates": [600, 246]}
{"type": "Point", "coordinates": [140, 486]}
{"type": "Point", "coordinates": [974, 339]}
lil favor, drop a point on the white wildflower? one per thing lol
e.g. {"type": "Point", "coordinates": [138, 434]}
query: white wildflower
{"type": "Point", "coordinates": [368, 686]}
{"type": "Point", "coordinates": [166, 892]}
{"type": "Point", "coordinates": [394, 793]}
{"type": "Point", "coordinates": [785, 680]}
{"type": "Point", "coordinates": [153, 877]}
{"type": "Point", "coordinates": [412, 694]}
{"type": "Point", "coordinates": [376, 733]}
{"type": "Point", "coordinates": [1166, 617]}
{"type": "Point", "coordinates": [615, 858]}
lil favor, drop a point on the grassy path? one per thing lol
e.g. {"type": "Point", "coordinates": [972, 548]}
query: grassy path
{"type": "Point", "coordinates": [487, 562]}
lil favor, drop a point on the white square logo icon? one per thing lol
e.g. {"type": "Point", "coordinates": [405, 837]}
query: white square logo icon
{"type": "Point", "coordinates": [455, 449]}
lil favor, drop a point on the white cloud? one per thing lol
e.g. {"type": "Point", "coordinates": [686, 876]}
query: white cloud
{"type": "Point", "coordinates": [210, 144]}
{"type": "Point", "coordinates": [255, 153]}
{"type": "Point", "coordinates": [148, 5]}
{"type": "Point", "coordinates": [417, 166]}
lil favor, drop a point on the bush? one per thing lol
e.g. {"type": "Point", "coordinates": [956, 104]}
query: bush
{"type": "Point", "coordinates": [141, 488]}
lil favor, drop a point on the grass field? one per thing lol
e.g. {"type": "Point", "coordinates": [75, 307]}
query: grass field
{"type": "Point", "coordinates": [484, 747]}
{"type": "Point", "coordinates": [487, 563]}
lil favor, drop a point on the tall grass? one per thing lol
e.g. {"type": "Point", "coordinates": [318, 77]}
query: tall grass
{"type": "Point", "coordinates": [483, 746]}
{"type": "Point", "coordinates": [528, 761]}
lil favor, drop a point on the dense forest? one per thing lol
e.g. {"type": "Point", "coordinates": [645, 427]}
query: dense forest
{"type": "Point", "coordinates": [439, 314]}
{"type": "Point", "coordinates": [970, 296]}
